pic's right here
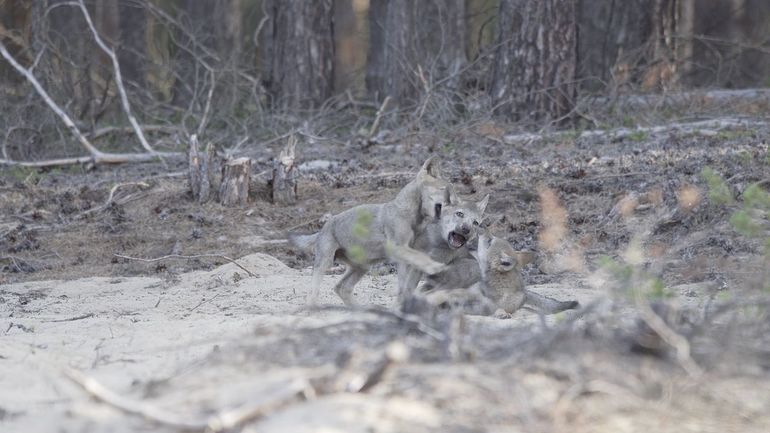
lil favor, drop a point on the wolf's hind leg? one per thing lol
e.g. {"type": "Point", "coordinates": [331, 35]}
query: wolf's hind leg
{"type": "Point", "coordinates": [344, 287]}
{"type": "Point", "coordinates": [324, 259]}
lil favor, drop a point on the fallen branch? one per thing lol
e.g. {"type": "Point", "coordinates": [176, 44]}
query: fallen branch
{"type": "Point", "coordinates": [221, 421]}
{"type": "Point", "coordinates": [96, 155]}
{"type": "Point", "coordinates": [678, 342]}
{"type": "Point", "coordinates": [179, 256]}
{"type": "Point", "coordinates": [107, 130]}
{"type": "Point", "coordinates": [71, 319]}
{"type": "Point", "coordinates": [702, 127]}
{"type": "Point", "coordinates": [402, 317]}
{"type": "Point", "coordinates": [111, 197]}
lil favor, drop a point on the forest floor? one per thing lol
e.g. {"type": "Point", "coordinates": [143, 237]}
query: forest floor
{"type": "Point", "coordinates": [180, 341]}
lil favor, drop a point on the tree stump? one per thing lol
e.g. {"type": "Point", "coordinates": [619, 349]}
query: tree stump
{"type": "Point", "coordinates": [234, 190]}
{"type": "Point", "coordinates": [284, 183]}
{"type": "Point", "coordinates": [198, 170]}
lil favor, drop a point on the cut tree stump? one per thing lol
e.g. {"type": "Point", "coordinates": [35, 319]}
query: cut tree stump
{"type": "Point", "coordinates": [284, 183]}
{"type": "Point", "coordinates": [234, 190]}
{"type": "Point", "coordinates": [199, 168]}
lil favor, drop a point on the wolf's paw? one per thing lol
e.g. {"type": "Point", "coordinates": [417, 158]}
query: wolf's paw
{"type": "Point", "coordinates": [501, 314]}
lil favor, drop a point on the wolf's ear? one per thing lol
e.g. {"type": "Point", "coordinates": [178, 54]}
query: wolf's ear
{"type": "Point", "coordinates": [482, 205]}
{"type": "Point", "coordinates": [431, 167]}
{"type": "Point", "coordinates": [524, 257]}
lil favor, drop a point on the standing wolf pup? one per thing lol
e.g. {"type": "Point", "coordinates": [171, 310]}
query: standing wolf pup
{"type": "Point", "coordinates": [369, 233]}
{"type": "Point", "coordinates": [445, 238]}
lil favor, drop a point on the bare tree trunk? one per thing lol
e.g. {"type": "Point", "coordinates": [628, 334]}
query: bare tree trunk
{"type": "Point", "coordinates": [414, 44]}
{"type": "Point", "coordinates": [611, 41]}
{"type": "Point", "coordinates": [535, 62]}
{"type": "Point", "coordinates": [132, 51]}
{"type": "Point", "coordinates": [298, 53]}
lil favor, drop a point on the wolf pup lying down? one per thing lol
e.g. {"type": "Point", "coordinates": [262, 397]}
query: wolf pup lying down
{"type": "Point", "coordinates": [371, 233]}
{"type": "Point", "coordinates": [489, 283]}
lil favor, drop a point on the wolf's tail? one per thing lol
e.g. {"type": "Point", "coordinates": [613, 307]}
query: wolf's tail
{"type": "Point", "coordinates": [546, 305]}
{"type": "Point", "coordinates": [303, 242]}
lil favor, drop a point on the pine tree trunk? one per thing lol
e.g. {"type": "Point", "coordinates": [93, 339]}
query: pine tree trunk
{"type": "Point", "coordinates": [132, 50]}
{"type": "Point", "coordinates": [611, 37]}
{"type": "Point", "coordinates": [535, 62]}
{"type": "Point", "coordinates": [298, 53]}
{"type": "Point", "coordinates": [236, 175]}
{"type": "Point", "coordinates": [414, 43]}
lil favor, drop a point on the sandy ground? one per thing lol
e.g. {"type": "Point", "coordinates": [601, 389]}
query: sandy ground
{"type": "Point", "coordinates": [189, 340]}
{"type": "Point", "coordinates": [131, 332]}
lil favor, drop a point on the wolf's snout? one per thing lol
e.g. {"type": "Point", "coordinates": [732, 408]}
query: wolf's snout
{"type": "Point", "coordinates": [465, 229]}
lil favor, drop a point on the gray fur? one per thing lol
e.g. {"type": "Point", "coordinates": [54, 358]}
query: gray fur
{"type": "Point", "coordinates": [371, 233]}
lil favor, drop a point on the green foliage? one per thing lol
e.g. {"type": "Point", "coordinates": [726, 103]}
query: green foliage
{"type": "Point", "coordinates": [356, 253]}
{"type": "Point", "coordinates": [754, 197]}
{"type": "Point", "coordinates": [719, 192]}
{"type": "Point", "coordinates": [753, 217]}
{"type": "Point", "coordinates": [361, 230]}
{"type": "Point", "coordinates": [744, 224]}
{"type": "Point", "coordinates": [735, 134]}
{"type": "Point", "coordinates": [638, 136]}
{"type": "Point", "coordinates": [363, 223]}
{"type": "Point", "coordinates": [633, 280]}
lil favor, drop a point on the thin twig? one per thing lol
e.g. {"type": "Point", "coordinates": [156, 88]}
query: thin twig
{"type": "Point", "coordinates": [111, 197]}
{"type": "Point", "coordinates": [407, 318]}
{"type": "Point", "coordinates": [196, 256]}
{"type": "Point", "coordinates": [378, 117]}
{"type": "Point", "coordinates": [71, 319]}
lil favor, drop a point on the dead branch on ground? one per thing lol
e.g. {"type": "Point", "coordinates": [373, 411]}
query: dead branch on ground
{"type": "Point", "coordinates": [225, 420]}
{"type": "Point", "coordinates": [704, 127]}
{"type": "Point", "coordinates": [196, 256]}
{"type": "Point", "coordinates": [111, 197]}
{"type": "Point", "coordinates": [96, 155]}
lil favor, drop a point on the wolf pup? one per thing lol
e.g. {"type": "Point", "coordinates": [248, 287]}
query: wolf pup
{"type": "Point", "coordinates": [490, 283]}
{"type": "Point", "coordinates": [501, 281]}
{"type": "Point", "coordinates": [370, 233]}
{"type": "Point", "coordinates": [445, 239]}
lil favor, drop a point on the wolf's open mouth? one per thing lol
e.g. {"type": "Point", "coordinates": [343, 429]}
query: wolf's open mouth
{"type": "Point", "coordinates": [456, 240]}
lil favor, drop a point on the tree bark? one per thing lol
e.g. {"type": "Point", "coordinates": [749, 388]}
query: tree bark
{"type": "Point", "coordinates": [535, 62]}
{"type": "Point", "coordinates": [298, 53]}
{"type": "Point", "coordinates": [132, 51]}
{"type": "Point", "coordinates": [284, 183]}
{"type": "Point", "coordinates": [611, 39]}
{"type": "Point", "coordinates": [414, 44]}
{"type": "Point", "coordinates": [199, 169]}
{"type": "Point", "coordinates": [236, 175]}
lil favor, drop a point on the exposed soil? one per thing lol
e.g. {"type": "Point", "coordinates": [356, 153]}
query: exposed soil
{"type": "Point", "coordinates": [195, 336]}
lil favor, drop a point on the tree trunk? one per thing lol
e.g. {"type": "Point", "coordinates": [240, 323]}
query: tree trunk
{"type": "Point", "coordinates": [199, 170]}
{"type": "Point", "coordinates": [132, 50]}
{"type": "Point", "coordinates": [611, 37]}
{"type": "Point", "coordinates": [284, 182]}
{"type": "Point", "coordinates": [236, 175]}
{"type": "Point", "coordinates": [298, 53]}
{"type": "Point", "coordinates": [535, 62]}
{"type": "Point", "coordinates": [413, 44]}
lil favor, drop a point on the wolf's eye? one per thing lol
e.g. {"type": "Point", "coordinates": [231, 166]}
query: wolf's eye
{"type": "Point", "coordinates": [475, 223]}
{"type": "Point", "coordinates": [459, 214]}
